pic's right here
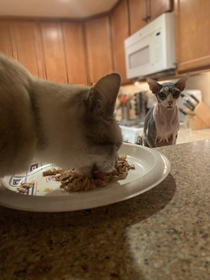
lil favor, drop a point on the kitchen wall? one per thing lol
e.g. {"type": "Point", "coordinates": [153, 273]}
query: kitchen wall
{"type": "Point", "coordinates": [201, 82]}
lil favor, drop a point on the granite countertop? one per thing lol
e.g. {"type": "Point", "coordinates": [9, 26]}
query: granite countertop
{"type": "Point", "coordinates": [190, 135]}
{"type": "Point", "coordinates": [163, 234]}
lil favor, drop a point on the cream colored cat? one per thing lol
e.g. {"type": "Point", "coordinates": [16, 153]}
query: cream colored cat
{"type": "Point", "coordinates": [71, 126]}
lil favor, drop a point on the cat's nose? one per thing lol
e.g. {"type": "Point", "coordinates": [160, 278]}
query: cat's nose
{"type": "Point", "coordinates": [170, 102]}
{"type": "Point", "coordinates": [116, 163]}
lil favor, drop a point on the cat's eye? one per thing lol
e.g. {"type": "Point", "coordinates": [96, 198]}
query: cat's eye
{"type": "Point", "coordinates": [161, 94]}
{"type": "Point", "coordinates": [176, 93]}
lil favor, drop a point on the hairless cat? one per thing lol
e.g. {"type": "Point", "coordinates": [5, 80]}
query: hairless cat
{"type": "Point", "coordinates": [162, 121]}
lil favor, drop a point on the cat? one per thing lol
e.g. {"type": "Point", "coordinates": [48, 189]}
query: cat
{"type": "Point", "coordinates": [70, 126]}
{"type": "Point", "coordinates": [161, 123]}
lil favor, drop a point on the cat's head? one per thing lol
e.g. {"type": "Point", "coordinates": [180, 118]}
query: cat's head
{"type": "Point", "coordinates": [167, 93]}
{"type": "Point", "coordinates": [102, 134]}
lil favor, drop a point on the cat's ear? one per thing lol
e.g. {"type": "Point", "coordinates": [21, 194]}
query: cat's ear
{"type": "Point", "coordinates": [181, 83]}
{"type": "Point", "coordinates": [103, 95]}
{"type": "Point", "coordinates": [153, 85]}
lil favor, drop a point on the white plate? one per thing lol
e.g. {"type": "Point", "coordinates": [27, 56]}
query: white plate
{"type": "Point", "coordinates": [152, 167]}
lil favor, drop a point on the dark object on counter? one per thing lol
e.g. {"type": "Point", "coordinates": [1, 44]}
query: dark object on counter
{"type": "Point", "coordinates": [188, 106]}
{"type": "Point", "coordinates": [180, 110]}
{"type": "Point", "coordinates": [139, 141]}
{"type": "Point", "coordinates": [140, 104]}
{"type": "Point", "coordinates": [188, 102]}
{"type": "Point", "coordinates": [193, 97]}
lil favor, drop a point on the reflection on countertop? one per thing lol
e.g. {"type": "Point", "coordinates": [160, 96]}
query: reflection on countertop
{"type": "Point", "coordinates": [162, 234]}
{"type": "Point", "coordinates": [189, 135]}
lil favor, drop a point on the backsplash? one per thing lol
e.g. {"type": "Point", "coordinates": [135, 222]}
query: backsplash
{"type": "Point", "coordinates": [201, 82]}
{"type": "Point", "coordinates": [132, 93]}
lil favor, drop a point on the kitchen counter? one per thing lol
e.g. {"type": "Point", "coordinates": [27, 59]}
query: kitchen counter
{"type": "Point", "coordinates": [163, 234]}
{"type": "Point", "coordinates": [190, 135]}
{"type": "Point", "coordinates": [184, 135]}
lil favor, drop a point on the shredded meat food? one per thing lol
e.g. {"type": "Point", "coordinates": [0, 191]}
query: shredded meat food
{"type": "Point", "coordinates": [71, 181]}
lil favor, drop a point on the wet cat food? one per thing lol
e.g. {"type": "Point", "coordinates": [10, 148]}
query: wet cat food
{"type": "Point", "coordinates": [71, 181]}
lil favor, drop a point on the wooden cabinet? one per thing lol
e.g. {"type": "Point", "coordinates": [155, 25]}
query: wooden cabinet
{"type": "Point", "coordinates": [120, 31]}
{"type": "Point", "coordinates": [53, 46]}
{"type": "Point", "coordinates": [158, 7]}
{"type": "Point", "coordinates": [83, 52]}
{"type": "Point", "coordinates": [192, 35]}
{"type": "Point", "coordinates": [98, 43]}
{"type": "Point", "coordinates": [144, 11]}
{"type": "Point", "coordinates": [6, 38]}
{"type": "Point", "coordinates": [75, 52]}
{"type": "Point", "coordinates": [138, 11]}
{"type": "Point", "coordinates": [27, 37]}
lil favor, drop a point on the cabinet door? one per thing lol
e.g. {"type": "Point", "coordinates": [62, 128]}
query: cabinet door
{"type": "Point", "coordinates": [119, 21]}
{"type": "Point", "coordinates": [158, 7]}
{"type": "Point", "coordinates": [75, 52]}
{"type": "Point", "coordinates": [98, 42]}
{"type": "Point", "coordinates": [192, 35]}
{"type": "Point", "coordinates": [138, 13]}
{"type": "Point", "coordinates": [28, 46]}
{"type": "Point", "coordinates": [6, 38]}
{"type": "Point", "coordinates": [54, 52]}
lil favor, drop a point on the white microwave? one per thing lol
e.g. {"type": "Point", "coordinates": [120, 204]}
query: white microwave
{"type": "Point", "coordinates": [151, 49]}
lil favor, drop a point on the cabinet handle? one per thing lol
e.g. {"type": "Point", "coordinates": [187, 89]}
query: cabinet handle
{"type": "Point", "coordinates": [146, 18]}
{"type": "Point", "coordinates": [91, 83]}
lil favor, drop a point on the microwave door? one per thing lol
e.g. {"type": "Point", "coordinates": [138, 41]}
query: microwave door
{"type": "Point", "coordinates": [139, 57]}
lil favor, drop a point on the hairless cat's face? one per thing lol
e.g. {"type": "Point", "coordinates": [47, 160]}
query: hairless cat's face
{"type": "Point", "coordinates": [168, 93]}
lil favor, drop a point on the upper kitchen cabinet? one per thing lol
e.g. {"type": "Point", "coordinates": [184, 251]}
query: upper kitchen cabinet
{"type": "Point", "coordinates": [98, 43]}
{"type": "Point", "coordinates": [192, 35]}
{"type": "Point", "coordinates": [27, 37]}
{"type": "Point", "coordinates": [158, 7]}
{"type": "Point", "coordinates": [6, 43]}
{"type": "Point", "coordinates": [138, 14]}
{"type": "Point", "coordinates": [144, 11]}
{"type": "Point", "coordinates": [54, 55]}
{"type": "Point", "coordinates": [120, 31]}
{"type": "Point", "coordinates": [75, 52]}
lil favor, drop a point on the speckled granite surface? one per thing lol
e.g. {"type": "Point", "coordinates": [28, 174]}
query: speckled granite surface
{"type": "Point", "coordinates": [163, 234]}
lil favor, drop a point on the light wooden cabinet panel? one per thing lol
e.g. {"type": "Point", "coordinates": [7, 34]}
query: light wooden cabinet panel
{"type": "Point", "coordinates": [192, 19]}
{"type": "Point", "coordinates": [138, 11]}
{"type": "Point", "coordinates": [75, 52]}
{"type": "Point", "coordinates": [158, 7]}
{"type": "Point", "coordinates": [98, 42]}
{"type": "Point", "coordinates": [54, 52]}
{"type": "Point", "coordinates": [120, 31]}
{"type": "Point", "coordinates": [6, 38]}
{"type": "Point", "coordinates": [28, 46]}
{"type": "Point", "coordinates": [144, 11]}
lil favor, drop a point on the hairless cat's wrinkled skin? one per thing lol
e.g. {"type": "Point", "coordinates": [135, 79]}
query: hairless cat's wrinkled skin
{"type": "Point", "coordinates": [162, 121]}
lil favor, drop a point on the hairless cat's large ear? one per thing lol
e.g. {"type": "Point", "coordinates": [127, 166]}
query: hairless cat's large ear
{"type": "Point", "coordinates": [103, 95]}
{"type": "Point", "coordinates": [153, 85]}
{"type": "Point", "coordinates": [181, 83]}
